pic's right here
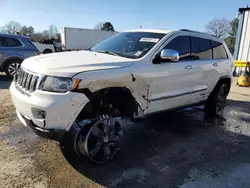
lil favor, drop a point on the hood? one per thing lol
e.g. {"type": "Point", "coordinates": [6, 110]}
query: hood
{"type": "Point", "coordinates": [67, 64]}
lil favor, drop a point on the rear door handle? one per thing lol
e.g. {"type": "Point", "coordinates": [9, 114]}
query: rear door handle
{"type": "Point", "coordinates": [189, 67]}
{"type": "Point", "coordinates": [215, 64]}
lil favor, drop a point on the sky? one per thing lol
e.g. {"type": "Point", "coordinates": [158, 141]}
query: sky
{"type": "Point", "coordinates": [124, 15]}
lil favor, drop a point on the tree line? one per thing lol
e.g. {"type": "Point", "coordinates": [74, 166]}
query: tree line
{"type": "Point", "coordinates": [13, 27]}
{"type": "Point", "coordinates": [104, 26]}
{"type": "Point", "coordinates": [221, 28]}
{"type": "Point", "coordinates": [224, 29]}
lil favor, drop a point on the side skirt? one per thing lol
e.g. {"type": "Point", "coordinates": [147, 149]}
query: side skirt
{"type": "Point", "coordinates": [173, 109]}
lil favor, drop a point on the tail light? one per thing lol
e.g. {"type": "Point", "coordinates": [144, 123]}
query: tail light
{"type": "Point", "coordinates": [37, 53]}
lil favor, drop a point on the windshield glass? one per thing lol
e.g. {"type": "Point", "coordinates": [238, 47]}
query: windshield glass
{"type": "Point", "coordinates": [129, 44]}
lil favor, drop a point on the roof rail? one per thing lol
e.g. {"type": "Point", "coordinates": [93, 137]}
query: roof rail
{"type": "Point", "coordinates": [192, 31]}
{"type": "Point", "coordinates": [196, 32]}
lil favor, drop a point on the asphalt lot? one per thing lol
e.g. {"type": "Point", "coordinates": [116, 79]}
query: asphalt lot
{"type": "Point", "coordinates": [174, 149]}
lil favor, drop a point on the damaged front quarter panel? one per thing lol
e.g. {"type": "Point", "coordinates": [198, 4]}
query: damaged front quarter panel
{"type": "Point", "coordinates": [95, 81]}
{"type": "Point", "coordinates": [77, 104]}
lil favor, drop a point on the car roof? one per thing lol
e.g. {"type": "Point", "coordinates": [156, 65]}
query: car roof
{"type": "Point", "coordinates": [12, 35]}
{"type": "Point", "coordinates": [201, 34]}
{"type": "Point", "coordinates": [150, 31]}
{"type": "Point", "coordinates": [197, 33]}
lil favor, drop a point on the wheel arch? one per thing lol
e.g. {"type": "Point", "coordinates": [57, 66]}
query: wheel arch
{"type": "Point", "coordinates": [224, 80]}
{"type": "Point", "coordinates": [7, 60]}
{"type": "Point", "coordinates": [48, 50]}
{"type": "Point", "coordinates": [121, 97]}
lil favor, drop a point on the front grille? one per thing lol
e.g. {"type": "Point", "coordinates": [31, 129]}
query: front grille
{"type": "Point", "coordinates": [26, 81]}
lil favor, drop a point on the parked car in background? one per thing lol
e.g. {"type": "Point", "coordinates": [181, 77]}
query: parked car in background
{"type": "Point", "coordinates": [44, 48]}
{"type": "Point", "coordinates": [13, 50]}
{"type": "Point", "coordinates": [48, 46]}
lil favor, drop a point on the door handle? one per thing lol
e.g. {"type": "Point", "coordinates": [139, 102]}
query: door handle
{"type": "Point", "coordinates": [215, 64]}
{"type": "Point", "coordinates": [189, 67]}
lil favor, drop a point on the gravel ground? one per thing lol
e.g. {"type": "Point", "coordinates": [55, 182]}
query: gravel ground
{"type": "Point", "coordinates": [175, 149]}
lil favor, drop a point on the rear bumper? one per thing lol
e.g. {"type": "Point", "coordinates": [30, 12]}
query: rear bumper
{"type": "Point", "coordinates": [52, 134]}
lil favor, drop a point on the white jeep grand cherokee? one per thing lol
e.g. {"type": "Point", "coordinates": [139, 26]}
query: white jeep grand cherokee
{"type": "Point", "coordinates": [132, 74]}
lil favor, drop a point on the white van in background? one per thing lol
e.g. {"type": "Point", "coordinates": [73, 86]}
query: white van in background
{"type": "Point", "coordinates": [82, 39]}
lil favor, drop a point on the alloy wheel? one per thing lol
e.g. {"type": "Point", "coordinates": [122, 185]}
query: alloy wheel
{"type": "Point", "coordinates": [13, 68]}
{"type": "Point", "coordinates": [102, 140]}
{"type": "Point", "coordinates": [221, 100]}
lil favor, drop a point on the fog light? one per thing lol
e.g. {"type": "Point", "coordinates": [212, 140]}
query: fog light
{"type": "Point", "coordinates": [38, 113]}
{"type": "Point", "coordinates": [42, 113]}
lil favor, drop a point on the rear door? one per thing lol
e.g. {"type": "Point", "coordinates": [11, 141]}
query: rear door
{"type": "Point", "coordinates": [222, 62]}
{"type": "Point", "coordinates": [202, 64]}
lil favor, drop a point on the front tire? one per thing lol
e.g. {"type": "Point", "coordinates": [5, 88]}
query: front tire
{"type": "Point", "coordinates": [217, 100]}
{"type": "Point", "coordinates": [100, 141]}
{"type": "Point", "coordinates": [12, 67]}
{"type": "Point", "coordinates": [98, 137]}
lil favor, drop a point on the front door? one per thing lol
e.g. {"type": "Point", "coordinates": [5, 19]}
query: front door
{"type": "Point", "coordinates": [170, 83]}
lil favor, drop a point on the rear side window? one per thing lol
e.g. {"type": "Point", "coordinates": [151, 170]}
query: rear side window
{"type": "Point", "coordinates": [9, 42]}
{"type": "Point", "coordinates": [2, 41]}
{"type": "Point", "coordinates": [219, 51]}
{"type": "Point", "coordinates": [182, 45]}
{"type": "Point", "coordinates": [12, 42]}
{"type": "Point", "coordinates": [201, 49]}
{"type": "Point", "coordinates": [31, 43]}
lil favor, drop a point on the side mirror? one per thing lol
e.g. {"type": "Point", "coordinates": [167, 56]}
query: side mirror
{"type": "Point", "coordinates": [169, 55]}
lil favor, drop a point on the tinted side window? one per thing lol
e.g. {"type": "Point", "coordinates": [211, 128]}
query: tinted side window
{"type": "Point", "coordinates": [12, 42]}
{"type": "Point", "coordinates": [3, 42]}
{"type": "Point", "coordinates": [182, 45]}
{"type": "Point", "coordinates": [218, 50]}
{"type": "Point", "coordinates": [31, 43]}
{"type": "Point", "coordinates": [201, 49]}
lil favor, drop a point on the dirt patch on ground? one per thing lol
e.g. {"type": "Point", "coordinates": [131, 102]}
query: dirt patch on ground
{"type": "Point", "coordinates": [57, 167]}
{"type": "Point", "coordinates": [18, 169]}
{"type": "Point", "coordinates": [7, 113]}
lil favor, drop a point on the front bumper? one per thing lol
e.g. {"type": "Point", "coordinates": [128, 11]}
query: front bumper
{"type": "Point", "coordinates": [52, 134]}
{"type": "Point", "coordinates": [48, 110]}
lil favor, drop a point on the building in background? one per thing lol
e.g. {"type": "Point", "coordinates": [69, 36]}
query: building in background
{"type": "Point", "coordinates": [242, 44]}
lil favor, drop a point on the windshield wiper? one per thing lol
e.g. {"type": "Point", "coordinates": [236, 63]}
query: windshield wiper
{"type": "Point", "coordinates": [107, 52]}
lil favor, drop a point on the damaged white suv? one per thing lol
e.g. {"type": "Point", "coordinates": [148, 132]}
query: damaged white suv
{"type": "Point", "coordinates": [130, 75]}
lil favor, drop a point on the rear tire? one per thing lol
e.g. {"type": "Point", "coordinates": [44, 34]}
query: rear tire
{"type": "Point", "coordinates": [217, 100]}
{"type": "Point", "coordinates": [12, 67]}
{"type": "Point", "coordinates": [47, 51]}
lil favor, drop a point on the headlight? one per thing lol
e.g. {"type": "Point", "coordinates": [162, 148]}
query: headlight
{"type": "Point", "coordinates": [58, 84]}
